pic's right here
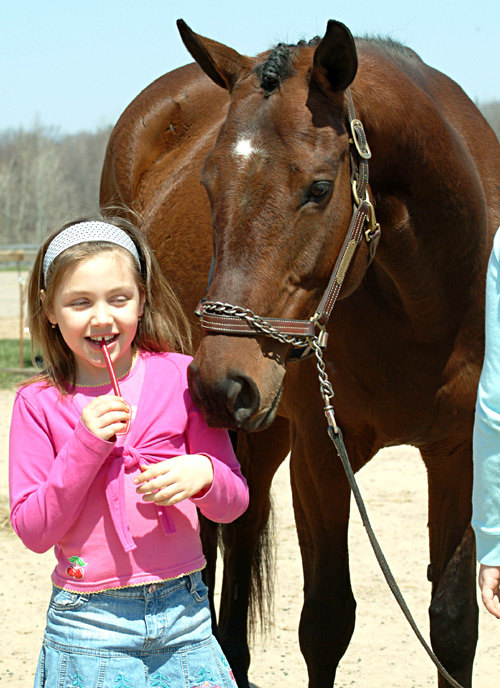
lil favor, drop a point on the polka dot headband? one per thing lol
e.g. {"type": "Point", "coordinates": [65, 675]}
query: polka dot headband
{"type": "Point", "coordinates": [83, 232]}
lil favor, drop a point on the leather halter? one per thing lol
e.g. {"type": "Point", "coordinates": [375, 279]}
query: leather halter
{"type": "Point", "coordinates": [216, 316]}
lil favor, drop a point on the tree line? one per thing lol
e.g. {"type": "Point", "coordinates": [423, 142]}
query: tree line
{"type": "Point", "coordinates": [47, 178]}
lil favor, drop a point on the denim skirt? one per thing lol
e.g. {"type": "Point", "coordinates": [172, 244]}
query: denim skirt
{"type": "Point", "coordinates": [156, 635]}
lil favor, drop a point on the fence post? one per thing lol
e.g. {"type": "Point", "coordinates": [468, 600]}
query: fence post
{"type": "Point", "coordinates": [21, 281]}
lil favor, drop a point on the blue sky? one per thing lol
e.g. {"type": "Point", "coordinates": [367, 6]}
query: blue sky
{"type": "Point", "coordinates": [76, 66]}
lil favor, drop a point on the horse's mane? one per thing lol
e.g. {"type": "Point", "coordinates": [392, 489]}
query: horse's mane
{"type": "Point", "coordinates": [278, 64]}
{"type": "Point", "coordinates": [389, 45]}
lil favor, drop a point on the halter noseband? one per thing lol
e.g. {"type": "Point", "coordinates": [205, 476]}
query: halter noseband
{"type": "Point", "coordinates": [217, 316]}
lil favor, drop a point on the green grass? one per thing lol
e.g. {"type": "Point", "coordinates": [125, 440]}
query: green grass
{"type": "Point", "coordinates": [10, 358]}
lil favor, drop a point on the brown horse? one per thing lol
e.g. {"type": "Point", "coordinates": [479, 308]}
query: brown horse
{"type": "Point", "coordinates": [271, 139]}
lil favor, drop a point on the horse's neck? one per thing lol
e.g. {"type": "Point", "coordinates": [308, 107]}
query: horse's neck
{"type": "Point", "coordinates": [430, 246]}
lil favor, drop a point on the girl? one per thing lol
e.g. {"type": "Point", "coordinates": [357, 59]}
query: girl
{"type": "Point", "coordinates": [129, 608]}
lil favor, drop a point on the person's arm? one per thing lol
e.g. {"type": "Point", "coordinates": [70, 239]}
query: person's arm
{"type": "Point", "coordinates": [486, 443]}
{"type": "Point", "coordinates": [489, 580]}
{"type": "Point", "coordinates": [227, 497]}
{"type": "Point", "coordinates": [48, 490]}
{"type": "Point", "coordinates": [171, 481]}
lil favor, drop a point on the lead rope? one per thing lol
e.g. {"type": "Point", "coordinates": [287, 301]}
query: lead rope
{"type": "Point", "coordinates": [335, 434]}
{"type": "Point", "coordinates": [317, 343]}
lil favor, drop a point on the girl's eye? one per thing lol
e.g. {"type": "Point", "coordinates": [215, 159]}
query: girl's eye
{"type": "Point", "coordinates": [318, 190]}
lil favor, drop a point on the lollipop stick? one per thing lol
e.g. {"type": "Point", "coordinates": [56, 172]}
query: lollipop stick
{"type": "Point", "coordinates": [114, 381]}
{"type": "Point", "coordinates": [109, 365]}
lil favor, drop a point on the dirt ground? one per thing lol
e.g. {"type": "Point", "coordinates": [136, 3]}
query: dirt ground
{"type": "Point", "coordinates": [383, 653]}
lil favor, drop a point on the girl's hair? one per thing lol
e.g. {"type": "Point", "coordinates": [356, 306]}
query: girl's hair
{"type": "Point", "coordinates": [162, 327]}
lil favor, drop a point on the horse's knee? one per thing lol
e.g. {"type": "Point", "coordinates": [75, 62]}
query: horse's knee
{"type": "Point", "coordinates": [454, 613]}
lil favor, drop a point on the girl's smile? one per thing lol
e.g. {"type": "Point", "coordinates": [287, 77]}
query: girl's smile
{"type": "Point", "coordinates": [99, 299]}
{"type": "Point", "coordinates": [109, 339]}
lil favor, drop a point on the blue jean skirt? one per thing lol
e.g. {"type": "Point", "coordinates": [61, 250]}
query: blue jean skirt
{"type": "Point", "coordinates": [157, 635]}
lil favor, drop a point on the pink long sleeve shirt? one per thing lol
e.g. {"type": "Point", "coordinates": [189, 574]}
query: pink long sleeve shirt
{"type": "Point", "coordinates": [73, 491]}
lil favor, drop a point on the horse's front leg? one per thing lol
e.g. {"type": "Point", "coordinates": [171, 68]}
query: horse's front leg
{"type": "Point", "coordinates": [321, 499]}
{"type": "Point", "coordinates": [246, 581]}
{"type": "Point", "coordinates": [453, 610]}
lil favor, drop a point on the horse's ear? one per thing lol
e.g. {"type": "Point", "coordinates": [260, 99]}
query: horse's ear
{"type": "Point", "coordinates": [335, 58]}
{"type": "Point", "coordinates": [221, 63]}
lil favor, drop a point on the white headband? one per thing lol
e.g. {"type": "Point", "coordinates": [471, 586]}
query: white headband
{"type": "Point", "coordinates": [87, 231]}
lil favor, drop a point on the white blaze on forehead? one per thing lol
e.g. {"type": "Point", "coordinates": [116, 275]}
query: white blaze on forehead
{"type": "Point", "coordinates": [244, 148]}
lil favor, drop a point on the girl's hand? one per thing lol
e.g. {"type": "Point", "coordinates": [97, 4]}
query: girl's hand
{"type": "Point", "coordinates": [489, 579]}
{"type": "Point", "coordinates": [105, 416]}
{"type": "Point", "coordinates": [173, 480]}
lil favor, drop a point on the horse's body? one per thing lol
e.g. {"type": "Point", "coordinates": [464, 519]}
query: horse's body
{"type": "Point", "coordinates": [406, 336]}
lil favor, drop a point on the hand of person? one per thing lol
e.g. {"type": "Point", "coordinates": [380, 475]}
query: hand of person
{"type": "Point", "coordinates": [105, 416]}
{"type": "Point", "coordinates": [489, 579]}
{"type": "Point", "coordinates": [175, 479]}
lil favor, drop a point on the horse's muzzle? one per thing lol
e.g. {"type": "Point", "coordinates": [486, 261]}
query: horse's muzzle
{"type": "Point", "coordinates": [232, 402]}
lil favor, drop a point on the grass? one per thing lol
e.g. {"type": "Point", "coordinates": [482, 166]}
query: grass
{"type": "Point", "coordinates": [10, 358]}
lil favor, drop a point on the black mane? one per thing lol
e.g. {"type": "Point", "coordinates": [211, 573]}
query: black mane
{"type": "Point", "coordinates": [278, 65]}
{"type": "Point", "coordinates": [279, 62]}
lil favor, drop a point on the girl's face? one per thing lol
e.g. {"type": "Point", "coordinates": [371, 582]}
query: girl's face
{"type": "Point", "coordinates": [98, 299]}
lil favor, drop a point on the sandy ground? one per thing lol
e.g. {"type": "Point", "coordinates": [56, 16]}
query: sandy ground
{"type": "Point", "coordinates": [383, 652]}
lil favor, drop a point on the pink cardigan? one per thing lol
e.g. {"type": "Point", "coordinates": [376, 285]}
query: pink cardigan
{"type": "Point", "coordinates": [75, 492]}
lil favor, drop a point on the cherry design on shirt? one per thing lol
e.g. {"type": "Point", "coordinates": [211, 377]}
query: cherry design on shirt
{"type": "Point", "coordinates": [76, 568]}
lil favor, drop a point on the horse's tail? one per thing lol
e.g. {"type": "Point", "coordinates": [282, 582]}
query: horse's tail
{"type": "Point", "coordinates": [259, 574]}
{"type": "Point", "coordinates": [262, 575]}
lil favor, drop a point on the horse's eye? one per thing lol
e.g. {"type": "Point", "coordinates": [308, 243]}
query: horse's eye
{"type": "Point", "coordinates": [319, 190]}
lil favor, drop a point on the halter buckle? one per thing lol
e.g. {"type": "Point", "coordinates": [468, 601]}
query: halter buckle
{"type": "Point", "coordinates": [322, 336]}
{"type": "Point", "coordinates": [359, 139]}
{"type": "Point", "coordinates": [373, 231]}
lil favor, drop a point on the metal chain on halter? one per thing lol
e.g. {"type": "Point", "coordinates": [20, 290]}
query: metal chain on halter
{"type": "Point", "coordinates": [325, 386]}
{"type": "Point", "coordinates": [254, 321]}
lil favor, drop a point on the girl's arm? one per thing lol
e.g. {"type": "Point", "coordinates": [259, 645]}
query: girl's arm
{"type": "Point", "coordinates": [227, 497]}
{"type": "Point", "coordinates": [48, 490]}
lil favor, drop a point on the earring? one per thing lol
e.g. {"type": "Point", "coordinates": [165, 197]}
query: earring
{"type": "Point", "coordinates": [53, 325]}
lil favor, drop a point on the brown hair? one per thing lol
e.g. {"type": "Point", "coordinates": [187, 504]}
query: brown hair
{"type": "Point", "coordinates": [162, 327]}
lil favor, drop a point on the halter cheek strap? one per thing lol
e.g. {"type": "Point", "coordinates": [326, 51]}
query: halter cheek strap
{"type": "Point", "coordinates": [217, 316]}
{"type": "Point", "coordinates": [82, 232]}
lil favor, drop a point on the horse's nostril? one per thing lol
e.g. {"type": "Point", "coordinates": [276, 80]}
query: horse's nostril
{"type": "Point", "coordinates": [242, 396]}
{"type": "Point", "coordinates": [229, 401]}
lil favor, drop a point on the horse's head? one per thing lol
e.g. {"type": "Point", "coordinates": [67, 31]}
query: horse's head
{"type": "Point", "coordinates": [279, 185]}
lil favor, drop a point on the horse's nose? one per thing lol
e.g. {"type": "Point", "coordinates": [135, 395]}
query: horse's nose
{"type": "Point", "coordinates": [242, 396]}
{"type": "Point", "coordinates": [229, 402]}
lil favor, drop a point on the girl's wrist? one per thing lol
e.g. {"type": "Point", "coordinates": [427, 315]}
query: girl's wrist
{"type": "Point", "coordinates": [210, 477]}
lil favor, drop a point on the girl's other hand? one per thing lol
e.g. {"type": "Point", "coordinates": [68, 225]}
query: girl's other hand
{"type": "Point", "coordinates": [175, 479]}
{"type": "Point", "coordinates": [105, 416]}
{"type": "Point", "coordinates": [489, 579]}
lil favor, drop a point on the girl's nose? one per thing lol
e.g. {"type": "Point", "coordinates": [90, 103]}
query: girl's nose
{"type": "Point", "coordinates": [101, 315]}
